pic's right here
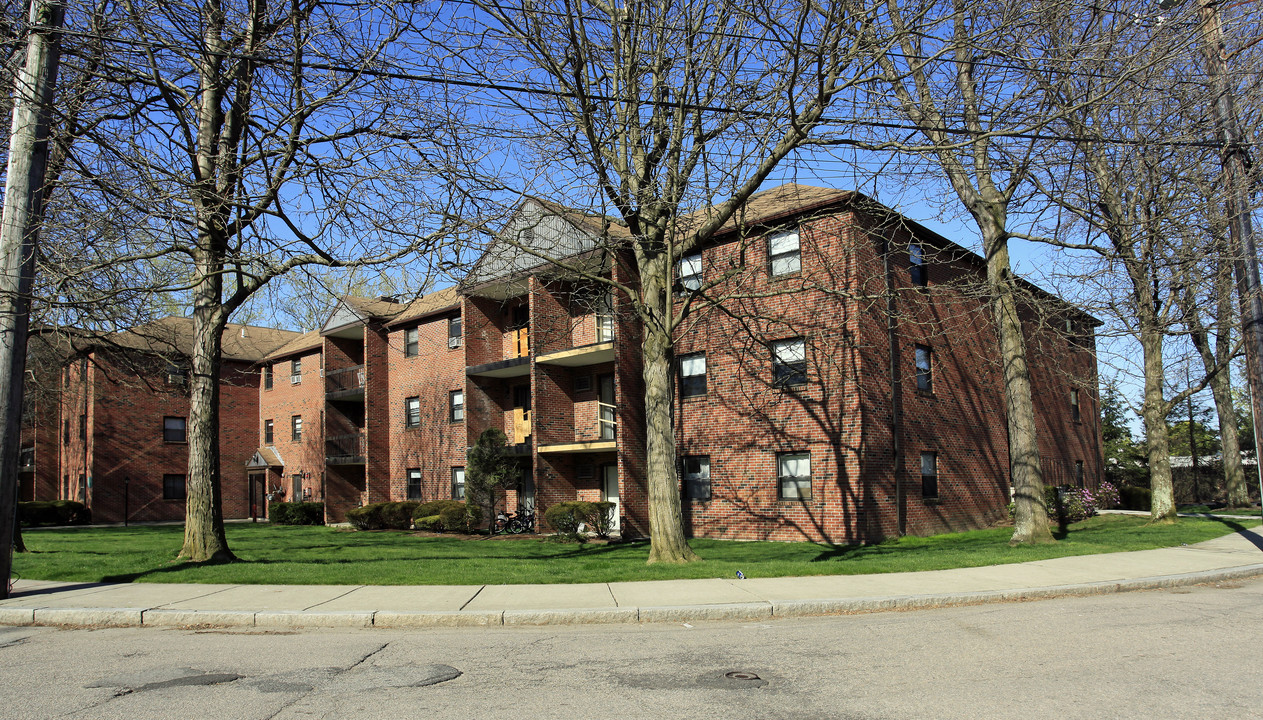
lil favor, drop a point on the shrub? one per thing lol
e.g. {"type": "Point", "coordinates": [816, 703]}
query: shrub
{"type": "Point", "coordinates": [1135, 498]}
{"type": "Point", "coordinates": [296, 513]}
{"type": "Point", "coordinates": [398, 515]}
{"type": "Point", "coordinates": [1107, 496]}
{"type": "Point", "coordinates": [431, 523]}
{"type": "Point", "coordinates": [566, 517]}
{"type": "Point", "coordinates": [433, 508]}
{"type": "Point", "coordinates": [54, 512]}
{"type": "Point", "coordinates": [602, 518]}
{"type": "Point", "coordinates": [383, 516]}
{"type": "Point", "coordinates": [459, 517]}
{"type": "Point", "coordinates": [365, 517]}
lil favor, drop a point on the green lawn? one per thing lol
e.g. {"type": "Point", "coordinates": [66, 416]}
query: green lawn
{"type": "Point", "coordinates": [318, 555]}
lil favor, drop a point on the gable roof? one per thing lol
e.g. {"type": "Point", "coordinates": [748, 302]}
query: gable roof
{"type": "Point", "coordinates": [352, 310]}
{"type": "Point", "coordinates": [538, 230]}
{"type": "Point", "coordinates": [174, 336]}
{"type": "Point", "coordinates": [435, 302]}
{"type": "Point", "coordinates": [309, 340]}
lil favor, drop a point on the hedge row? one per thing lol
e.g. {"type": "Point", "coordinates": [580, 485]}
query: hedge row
{"type": "Point", "coordinates": [296, 513]}
{"type": "Point", "coordinates": [437, 516]}
{"type": "Point", "coordinates": [54, 512]}
{"type": "Point", "coordinates": [446, 516]}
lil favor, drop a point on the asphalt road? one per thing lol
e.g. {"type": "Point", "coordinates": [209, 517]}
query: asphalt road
{"type": "Point", "coordinates": [1183, 653]}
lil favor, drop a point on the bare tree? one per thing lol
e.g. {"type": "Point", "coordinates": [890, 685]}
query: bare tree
{"type": "Point", "coordinates": [951, 75]}
{"type": "Point", "coordinates": [644, 112]}
{"type": "Point", "coordinates": [1132, 191]}
{"type": "Point", "coordinates": [244, 140]}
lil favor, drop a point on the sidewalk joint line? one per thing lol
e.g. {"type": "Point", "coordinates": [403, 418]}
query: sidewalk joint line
{"type": "Point", "coordinates": [471, 599]}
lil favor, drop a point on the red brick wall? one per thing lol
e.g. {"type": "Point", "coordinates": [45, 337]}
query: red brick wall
{"type": "Point", "coordinates": [378, 415]}
{"type": "Point", "coordinates": [128, 401]}
{"type": "Point", "coordinates": [438, 444]}
{"type": "Point", "coordinates": [843, 416]}
{"type": "Point", "coordinates": [280, 404]}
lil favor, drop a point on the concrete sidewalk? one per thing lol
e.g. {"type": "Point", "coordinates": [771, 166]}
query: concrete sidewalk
{"type": "Point", "coordinates": [36, 602]}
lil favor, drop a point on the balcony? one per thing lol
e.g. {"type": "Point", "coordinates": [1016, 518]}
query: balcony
{"type": "Point", "coordinates": [594, 354]}
{"type": "Point", "coordinates": [345, 384]}
{"type": "Point", "coordinates": [515, 367]}
{"type": "Point", "coordinates": [346, 449]}
{"type": "Point", "coordinates": [591, 446]}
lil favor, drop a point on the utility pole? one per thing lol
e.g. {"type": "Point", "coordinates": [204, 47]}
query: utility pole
{"type": "Point", "coordinates": [19, 232]}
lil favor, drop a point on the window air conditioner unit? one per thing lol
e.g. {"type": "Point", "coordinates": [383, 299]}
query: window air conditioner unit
{"type": "Point", "coordinates": [176, 379]}
{"type": "Point", "coordinates": [453, 342]}
{"type": "Point", "coordinates": [295, 379]}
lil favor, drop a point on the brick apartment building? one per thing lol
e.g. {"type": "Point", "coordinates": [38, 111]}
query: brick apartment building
{"type": "Point", "coordinates": [110, 426]}
{"type": "Point", "coordinates": [842, 385]}
{"type": "Point", "coordinates": [838, 380]}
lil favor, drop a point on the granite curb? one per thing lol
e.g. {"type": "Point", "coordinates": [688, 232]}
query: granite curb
{"type": "Point", "coordinates": [740, 611]}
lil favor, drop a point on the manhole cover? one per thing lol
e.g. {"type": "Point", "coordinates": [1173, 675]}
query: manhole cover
{"type": "Point", "coordinates": [741, 675]}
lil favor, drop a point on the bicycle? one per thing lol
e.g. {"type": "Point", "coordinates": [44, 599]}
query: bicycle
{"type": "Point", "coordinates": [516, 524]}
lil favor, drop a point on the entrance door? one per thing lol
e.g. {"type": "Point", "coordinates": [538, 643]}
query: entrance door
{"type": "Point", "coordinates": [526, 491]}
{"type": "Point", "coordinates": [609, 493]}
{"type": "Point", "coordinates": [255, 481]}
{"type": "Point", "coordinates": [521, 413]}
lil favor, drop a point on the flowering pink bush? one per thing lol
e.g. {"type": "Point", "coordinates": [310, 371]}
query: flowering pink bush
{"type": "Point", "coordinates": [1107, 496]}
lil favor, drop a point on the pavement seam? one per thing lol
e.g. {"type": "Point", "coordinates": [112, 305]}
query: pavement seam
{"type": "Point", "coordinates": [472, 597]}
{"type": "Point", "coordinates": [352, 589]}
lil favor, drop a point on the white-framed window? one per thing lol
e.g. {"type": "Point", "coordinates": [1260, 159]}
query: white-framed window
{"type": "Point", "coordinates": [793, 475]}
{"type": "Point", "coordinates": [605, 318]}
{"type": "Point", "coordinates": [411, 344]}
{"type": "Point", "coordinates": [267, 377]}
{"type": "Point", "coordinates": [412, 412]}
{"type": "Point", "coordinates": [267, 432]}
{"type": "Point", "coordinates": [414, 483]}
{"type": "Point", "coordinates": [924, 369]}
{"type": "Point", "coordinates": [1075, 413]}
{"type": "Point", "coordinates": [929, 474]}
{"type": "Point", "coordinates": [458, 483]}
{"type": "Point", "coordinates": [693, 375]}
{"type": "Point", "coordinates": [296, 428]}
{"type": "Point", "coordinates": [688, 273]}
{"type": "Point", "coordinates": [783, 253]}
{"type": "Point", "coordinates": [453, 332]}
{"type": "Point", "coordinates": [456, 405]}
{"type": "Point", "coordinates": [789, 362]}
{"type": "Point", "coordinates": [695, 472]}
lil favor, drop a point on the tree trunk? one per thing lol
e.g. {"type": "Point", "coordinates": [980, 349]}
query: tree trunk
{"type": "Point", "coordinates": [1234, 471]}
{"type": "Point", "coordinates": [204, 537]}
{"type": "Point", "coordinates": [1154, 411]}
{"type": "Point", "coordinates": [1030, 515]}
{"type": "Point", "coordinates": [666, 520]}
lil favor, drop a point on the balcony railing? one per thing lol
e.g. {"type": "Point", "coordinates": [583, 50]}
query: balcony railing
{"type": "Point", "coordinates": [345, 382]}
{"type": "Point", "coordinates": [346, 449]}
